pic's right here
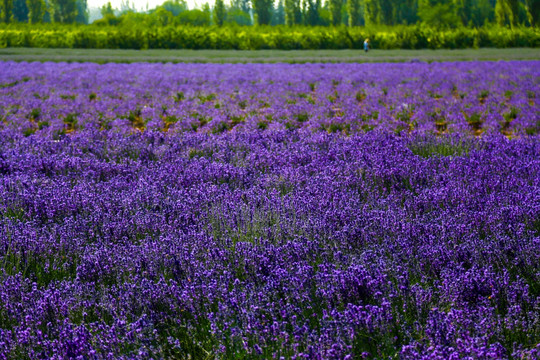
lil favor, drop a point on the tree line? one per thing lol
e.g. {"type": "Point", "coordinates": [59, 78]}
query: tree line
{"type": "Point", "coordinates": [39, 11]}
{"type": "Point", "coordinates": [433, 13]}
{"type": "Point", "coordinates": [279, 37]}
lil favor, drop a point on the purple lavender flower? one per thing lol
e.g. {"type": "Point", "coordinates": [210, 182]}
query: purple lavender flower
{"type": "Point", "coordinates": [321, 211]}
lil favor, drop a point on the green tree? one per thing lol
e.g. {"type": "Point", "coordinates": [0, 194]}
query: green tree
{"type": "Point", "coordinates": [241, 4]}
{"type": "Point", "coordinates": [128, 18]}
{"type": "Point", "coordinates": [464, 9]}
{"type": "Point", "coordinates": [109, 17]}
{"type": "Point", "coordinates": [387, 12]}
{"type": "Point", "coordinates": [175, 7]}
{"type": "Point", "coordinates": [82, 12]}
{"type": "Point", "coordinates": [107, 10]}
{"type": "Point", "coordinates": [36, 10]}
{"type": "Point", "coordinates": [219, 12]}
{"type": "Point", "coordinates": [237, 16]}
{"type": "Point", "coordinates": [482, 13]}
{"type": "Point", "coordinates": [278, 17]}
{"type": "Point", "coordinates": [126, 7]}
{"type": "Point", "coordinates": [506, 12]}
{"type": "Point", "coordinates": [533, 11]}
{"type": "Point", "coordinates": [194, 17]}
{"type": "Point", "coordinates": [20, 11]}
{"type": "Point", "coordinates": [161, 17]}
{"type": "Point", "coordinates": [6, 10]}
{"type": "Point", "coordinates": [353, 12]}
{"type": "Point", "coordinates": [239, 12]}
{"type": "Point", "coordinates": [311, 10]}
{"type": "Point", "coordinates": [48, 16]}
{"type": "Point", "coordinates": [263, 11]}
{"type": "Point", "coordinates": [293, 13]}
{"type": "Point", "coordinates": [64, 11]}
{"type": "Point", "coordinates": [335, 11]}
{"type": "Point", "coordinates": [371, 12]}
{"type": "Point", "coordinates": [207, 13]}
{"type": "Point", "coordinates": [345, 13]}
{"type": "Point", "coordinates": [438, 13]}
{"type": "Point", "coordinates": [407, 12]}
{"type": "Point", "coordinates": [325, 18]}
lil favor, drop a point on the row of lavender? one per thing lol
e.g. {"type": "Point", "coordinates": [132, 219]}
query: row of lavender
{"type": "Point", "coordinates": [267, 211]}
{"type": "Point", "coordinates": [454, 97]}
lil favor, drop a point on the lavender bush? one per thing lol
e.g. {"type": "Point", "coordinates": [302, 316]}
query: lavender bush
{"type": "Point", "coordinates": [270, 211]}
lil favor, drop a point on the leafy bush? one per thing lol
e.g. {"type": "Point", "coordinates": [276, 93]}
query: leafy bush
{"type": "Point", "coordinates": [103, 35]}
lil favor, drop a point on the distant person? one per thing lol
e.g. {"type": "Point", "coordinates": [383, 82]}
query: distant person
{"type": "Point", "coordinates": [366, 45]}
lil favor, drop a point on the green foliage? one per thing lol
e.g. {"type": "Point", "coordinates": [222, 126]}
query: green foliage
{"type": "Point", "coordinates": [293, 13]}
{"type": "Point", "coordinates": [371, 12]}
{"type": "Point", "coordinates": [133, 35]}
{"type": "Point", "coordinates": [107, 10]}
{"type": "Point", "coordinates": [433, 13]}
{"type": "Point", "coordinates": [82, 12]}
{"type": "Point", "coordinates": [64, 11]}
{"type": "Point", "coordinates": [263, 11]}
{"type": "Point", "coordinates": [219, 12]}
{"type": "Point", "coordinates": [262, 125]}
{"type": "Point", "coordinates": [242, 5]}
{"type": "Point", "coordinates": [311, 12]}
{"type": "Point", "coordinates": [506, 12]}
{"type": "Point", "coordinates": [194, 17]}
{"type": "Point", "coordinates": [438, 14]}
{"type": "Point", "coordinates": [20, 11]}
{"type": "Point", "coordinates": [175, 7]}
{"type": "Point", "coordinates": [238, 17]}
{"type": "Point", "coordinates": [161, 17]}
{"type": "Point", "coordinates": [533, 11]}
{"type": "Point", "coordinates": [436, 147]}
{"type": "Point", "coordinates": [6, 11]}
{"type": "Point", "coordinates": [482, 13]}
{"type": "Point", "coordinates": [463, 10]}
{"type": "Point", "coordinates": [278, 16]}
{"type": "Point", "coordinates": [353, 10]}
{"type": "Point", "coordinates": [409, 11]}
{"type": "Point", "coordinates": [335, 11]}
{"type": "Point", "coordinates": [35, 113]}
{"type": "Point", "coordinates": [36, 10]}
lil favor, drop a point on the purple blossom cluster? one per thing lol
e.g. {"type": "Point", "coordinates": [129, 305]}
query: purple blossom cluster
{"type": "Point", "coordinates": [317, 211]}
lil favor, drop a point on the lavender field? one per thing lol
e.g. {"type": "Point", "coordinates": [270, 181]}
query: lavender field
{"type": "Point", "coordinates": [315, 211]}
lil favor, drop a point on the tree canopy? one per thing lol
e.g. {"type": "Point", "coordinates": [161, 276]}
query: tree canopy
{"type": "Point", "coordinates": [432, 13]}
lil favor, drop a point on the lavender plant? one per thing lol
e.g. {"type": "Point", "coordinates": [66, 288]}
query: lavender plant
{"type": "Point", "coordinates": [270, 211]}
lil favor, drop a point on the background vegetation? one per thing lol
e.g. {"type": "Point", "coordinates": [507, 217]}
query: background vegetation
{"type": "Point", "coordinates": [263, 37]}
{"type": "Point", "coordinates": [435, 13]}
{"type": "Point", "coordinates": [274, 24]}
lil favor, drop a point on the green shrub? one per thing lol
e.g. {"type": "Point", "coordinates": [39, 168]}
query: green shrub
{"type": "Point", "coordinates": [102, 36]}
